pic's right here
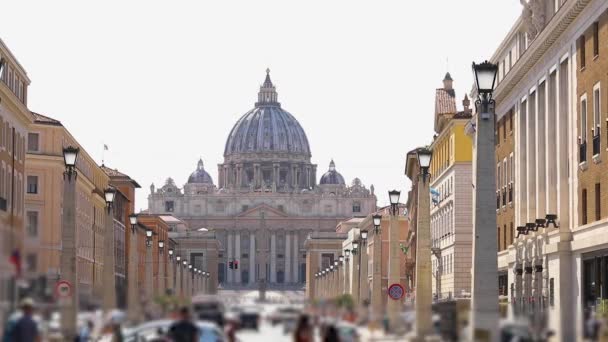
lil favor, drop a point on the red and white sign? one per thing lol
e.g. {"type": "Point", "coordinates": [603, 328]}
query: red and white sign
{"type": "Point", "coordinates": [63, 289]}
{"type": "Point", "coordinates": [396, 291]}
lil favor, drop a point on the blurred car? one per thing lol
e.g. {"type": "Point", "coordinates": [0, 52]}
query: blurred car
{"type": "Point", "coordinates": [249, 317]}
{"type": "Point", "coordinates": [157, 330]}
{"type": "Point", "coordinates": [347, 332]}
{"type": "Point", "coordinates": [277, 316]}
{"type": "Point", "coordinates": [209, 308]}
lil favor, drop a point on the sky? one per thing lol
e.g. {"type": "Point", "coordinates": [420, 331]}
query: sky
{"type": "Point", "coordinates": [161, 83]}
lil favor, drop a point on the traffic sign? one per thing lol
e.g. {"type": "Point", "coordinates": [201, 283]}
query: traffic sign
{"type": "Point", "coordinates": [396, 291]}
{"type": "Point", "coordinates": [63, 289]}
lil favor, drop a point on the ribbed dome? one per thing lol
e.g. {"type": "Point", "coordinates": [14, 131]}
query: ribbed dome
{"type": "Point", "coordinates": [200, 176]}
{"type": "Point", "coordinates": [267, 128]}
{"type": "Point", "coordinates": [332, 176]}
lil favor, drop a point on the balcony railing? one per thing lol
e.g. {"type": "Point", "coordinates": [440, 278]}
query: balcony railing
{"type": "Point", "coordinates": [596, 144]}
{"type": "Point", "coordinates": [504, 197]}
{"type": "Point", "coordinates": [582, 152]}
{"type": "Point", "coordinates": [510, 192]}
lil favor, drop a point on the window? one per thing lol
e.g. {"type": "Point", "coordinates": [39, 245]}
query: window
{"type": "Point", "coordinates": [596, 110]}
{"type": "Point", "coordinates": [581, 51]}
{"type": "Point", "coordinates": [32, 184]}
{"type": "Point", "coordinates": [32, 223]}
{"type": "Point", "coordinates": [169, 206]}
{"type": "Point", "coordinates": [583, 129]}
{"type": "Point", "coordinates": [498, 237]}
{"type": "Point", "coordinates": [504, 129]}
{"type": "Point", "coordinates": [32, 142]}
{"type": "Point", "coordinates": [31, 261]}
{"type": "Point", "coordinates": [598, 201]}
{"type": "Point", "coordinates": [596, 39]}
{"type": "Point", "coordinates": [504, 237]}
{"type": "Point", "coordinates": [511, 234]}
{"type": "Point", "coordinates": [511, 121]}
{"type": "Point", "coordinates": [584, 206]}
{"type": "Point", "coordinates": [281, 208]}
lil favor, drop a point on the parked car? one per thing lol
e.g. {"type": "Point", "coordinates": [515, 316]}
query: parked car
{"type": "Point", "coordinates": [156, 330]}
{"type": "Point", "coordinates": [208, 308]}
{"type": "Point", "coordinates": [249, 317]}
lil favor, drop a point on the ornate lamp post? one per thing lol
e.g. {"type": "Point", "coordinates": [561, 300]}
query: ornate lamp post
{"type": "Point", "coordinates": [162, 283]}
{"type": "Point", "coordinates": [109, 259]}
{"type": "Point", "coordinates": [394, 277]}
{"type": "Point", "coordinates": [69, 273]}
{"type": "Point", "coordinates": [179, 283]}
{"type": "Point", "coordinates": [149, 265]}
{"type": "Point", "coordinates": [484, 292]}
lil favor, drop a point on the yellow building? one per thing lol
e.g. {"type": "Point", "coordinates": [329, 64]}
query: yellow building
{"type": "Point", "coordinates": [14, 120]}
{"type": "Point", "coordinates": [43, 207]}
{"type": "Point", "coordinates": [452, 194]}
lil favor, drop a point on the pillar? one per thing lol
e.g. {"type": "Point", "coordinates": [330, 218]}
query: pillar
{"type": "Point", "coordinates": [423, 261]}
{"type": "Point", "coordinates": [273, 258]}
{"type": "Point", "coordinates": [484, 306]}
{"type": "Point", "coordinates": [252, 252]}
{"type": "Point", "coordinates": [133, 312]}
{"type": "Point", "coordinates": [229, 272]}
{"type": "Point", "coordinates": [162, 277]}
{"type": "Point", "coordinates": [109, 274]}
{"type": "Point", "coordinates": [296, 253]}
{"type": "Point", "coordinates": [68, 269]}
{"type": "Point", "coordinates": [237, 256]}
{"type": "Point", "coordinates": [363, 284]}
{"type": "Point", "coordinates": [287, 257]}
{"type": "Point", "coordinates": [377, 299]}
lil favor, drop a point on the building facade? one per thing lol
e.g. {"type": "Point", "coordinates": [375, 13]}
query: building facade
{"type": "Point", "coordinates": [544, 84]}
{"type": "Point", "coordinates": [14, 121]}
{"type": "Point", "coordinates": [451, 225]}
{"type": "Point", "coordinates": [43, 207]}
{"type": "Point", "coordinates": [267, 200]}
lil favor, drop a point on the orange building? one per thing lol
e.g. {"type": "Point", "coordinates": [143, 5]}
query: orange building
{"type": "Point", "coordinates": [160, 257]}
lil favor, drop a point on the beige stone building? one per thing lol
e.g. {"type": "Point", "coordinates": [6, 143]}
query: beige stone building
{"type": "Point", "coordinates": [14, 120]}
{"type": "Point", "coordinates": [43, 207]}
{"type": "Point", "coordinates": [267, 200]}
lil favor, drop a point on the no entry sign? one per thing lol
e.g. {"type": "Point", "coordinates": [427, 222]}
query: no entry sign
{"type": "Point", "coordinates": [63, 289]}
{"type": "Point", "coordinates": [396, 291]}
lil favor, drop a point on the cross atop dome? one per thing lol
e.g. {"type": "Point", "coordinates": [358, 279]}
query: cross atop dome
{"type": "Point", "coordinates": [267, 96]}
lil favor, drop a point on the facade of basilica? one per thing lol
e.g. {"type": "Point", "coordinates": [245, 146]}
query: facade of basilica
{"type": "Point", "coordinates": [267, 199]}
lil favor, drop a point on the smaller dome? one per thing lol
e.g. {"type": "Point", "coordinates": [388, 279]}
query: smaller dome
{"type": "Point", "coordinates": [200, 176]}
{"type": "Point", "coordinates": [332, 176]}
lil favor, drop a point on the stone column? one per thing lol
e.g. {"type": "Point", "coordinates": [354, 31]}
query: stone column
{"type": "Point", "coordinates": [237, 256]}
{"type": "Point", "coordinates": [484, 306]}
{"type": "Point", "coordinates": [273, 258]}
{"type": "Point", "coordinates": [364, 284]}
{"type": "Point", "coordinates": [69, 271]}
{"type": "Point", "coordinates": [109, 272]}
{"type": "Point", "coordinates": [394, 272]}
{"type": "Point", "coordinates": [252, 251]}
{"type": "Point", "coordinates": [149, 291]}
{"type": "Point", "coordinates": [287, 257]}
{"type": "Point", "coordinates": [256, 175]}
{"type": "Point", "coordinates": [296, 253]}
{"type": "Point", "coordinates": [229, 272]}
{"type": "Point", "coordinates": [133, 308]}
{"type": "Point", "coordinates": [162, 280]}
{"type": "Point", "coordinates": [312, 283]}
{"type": "Point", "coordinates": [377, 300]}
{"type": "Point", "coordinates": [423, 262]}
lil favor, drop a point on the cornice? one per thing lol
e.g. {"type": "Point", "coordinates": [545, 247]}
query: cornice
{"type": "Point", "coordinates": [545, 40]}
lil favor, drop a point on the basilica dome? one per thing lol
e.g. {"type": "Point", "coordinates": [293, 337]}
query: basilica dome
{"type": "Point", "coordinates": [267, 128]}
{"type": "Point", "coordinates": [200, 176]}
{"type": "Point", "coordinates": [332, 176]}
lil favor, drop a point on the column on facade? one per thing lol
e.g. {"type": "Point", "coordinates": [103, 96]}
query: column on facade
{"type": "Point", "coordinates": [551, 146]}
{"type": "Point", "coordinates": [541, 151]}
{"type": "Point", "coordinates": [287, 257]}
{"type": "Point", "coordinates": [273, 257]}
{"type": "Point", "coordinates": [276, 173]}
{"type": "Point", "coordinates": [364, 281]}
{"type": "Point", "coordinates": [162, 282]}
{"type": "Point", "coordinates": [220, 175]}
{"type": "Point", "coordinates": [252, 275]}
{"type": "Point", "coordinates": [532, 158]}
{"type": "Point", "coordinates": [237, 256]}
{"type": "Point", "coordinates": [521, 153]}
{"type": "Point", "coordinates": [296, 253]}
{"type": "Point", "coordinates": [563, 173]}
{"type": "Point", "coordinates": [376, 300]}
{"type": "Point", "coordinates": [239, 175]}
{"type": "Point", "coordinates": [230, 274]}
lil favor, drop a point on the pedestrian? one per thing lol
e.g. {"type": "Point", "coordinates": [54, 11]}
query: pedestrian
{"type": "Point", "coordinates": [331, 334]}
{"type": "Point", "coordinates": [85, 333]}
{"type": "Point", "coordinates": [303, 332]}
{"type": "Point", "coordinates": [183, 330]}
{"type": "Point", "coordinates": [25, 328]}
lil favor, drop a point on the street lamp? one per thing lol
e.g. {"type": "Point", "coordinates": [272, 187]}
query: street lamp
{"type": "Point", "coordinates": [109, 195]}
{"type": "Point", "coordinates": [148, 238]}
{"type": "Point", "coordinates": [355, 247]}
{"type": "Point", "coordinates": [485, 81]}
{"type": "Point", "coordinates": [424, 160]}
{"type": "Point", "coordinates": [393, 196]}
{"type": "Point", "coordinates": [109, 292]}
{"type": "Point", "coordinates": [178, 259]}
{"type": "Point", "coordinates": [185, 263]}
{"type": "Point", "coordinates": [364, 236]}
{"type": "Point", "coordinates": [170, 253]}
{"type": "Point", "coordinates": [341, 258]}
{"type": "Point", "coordinates": [161, 246]}
{"type": "Point", "coordinates": [377, 219]}
{"type": "Point", "coordinates": [484, 307]}
{"type": "Point", "coordinates": [70, 155]}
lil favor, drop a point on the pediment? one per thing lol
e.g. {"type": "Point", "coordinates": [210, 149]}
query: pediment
{"type": "Point", "coordinates": [265, 209]}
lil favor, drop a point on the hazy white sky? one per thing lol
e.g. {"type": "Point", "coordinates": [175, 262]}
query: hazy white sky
{"type": "Point", "coordinates": [162, 82]}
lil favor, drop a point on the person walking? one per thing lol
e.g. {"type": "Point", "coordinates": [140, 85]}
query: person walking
{"type": "Point", "coordinates": [25, 328]}
{"type": "Point", "coordinates": [183, 330]}
{"type": "Point", "coordinates": [303, 332]}
{"type": "Point", "coordinates": [331, 334]}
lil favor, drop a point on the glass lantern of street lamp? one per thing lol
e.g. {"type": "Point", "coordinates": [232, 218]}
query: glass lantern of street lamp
{"type": "Point", "coordinates": [161, 244]}
{"type": "Point", "coordinates": [393, 196]}
{"type": "Point", "coordinates": [377, 219]}
{"type": "Point", "coordinates": [355, 246]}
{"type": "Point", "coordinates": [341, 258]}
{"type": "Point", "coordinates": [185, 263]}
{"type": "Point", "coordinates": [485, 77]}
{"type": "Point", "coordinates": [331, 268]}
{"type": "Point", "coordinates": [148, 233]}
{"type": "Point", "coordinates": [347, 252]}
{"type": "Point", "coordinates": [133, 221]}
{"type": "Point", "coordinates": [70, 154]}
{"type": "Point", "coordinates": [424, 159]}
{"type": "Point", "coordinates": [364, 235]}
{"type": "Point", "coordinates": [178, 258]}
{"type": "Point", "coordinates": [336, 264]}
{"type": "Point", "coordinates": [109, 194]}
{"type": "Point", "coordinates": [170, 251]}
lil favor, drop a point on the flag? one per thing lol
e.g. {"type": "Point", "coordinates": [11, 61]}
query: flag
{"type": "Point", "coordinates": [15, 259]}
{"type": "Point", "coordinates": [435, 196]}
{"type": "Point", "coordinates": [105, 147]}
